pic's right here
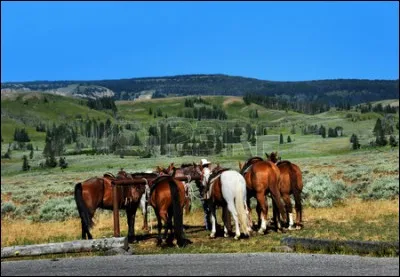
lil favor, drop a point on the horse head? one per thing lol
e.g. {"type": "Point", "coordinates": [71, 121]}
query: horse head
{"type": "Point", "coordinates": [273, 157]}
{"type": "Point", "coordinates": [135, 192]}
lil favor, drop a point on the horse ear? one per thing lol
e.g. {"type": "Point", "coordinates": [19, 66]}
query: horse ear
{"type": "Point", "coordinates": [266, 154]}
{"type": "Point", "coordinates": [240, 165]}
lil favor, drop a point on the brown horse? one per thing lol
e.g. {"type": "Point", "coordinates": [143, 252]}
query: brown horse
{"type": "Point", "coordinates": [291, 183]}
{"type": "Point", "coordinates": [167, 198]}
{"type": "Point", "coordinates": [191, 171]}
{"type": "Point", "coordinates": [262, 177]}
{"type": "Point", "coordinates": [97, 193]}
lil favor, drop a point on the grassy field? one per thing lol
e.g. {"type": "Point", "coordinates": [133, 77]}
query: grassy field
{"type": "Point", "coordinates": [362, 185]}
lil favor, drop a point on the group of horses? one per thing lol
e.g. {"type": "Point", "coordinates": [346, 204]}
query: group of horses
{"type": "Point", "coordinates": [166, 190]}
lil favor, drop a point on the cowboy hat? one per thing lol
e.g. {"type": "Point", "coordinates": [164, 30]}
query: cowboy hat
{"type": "Point", "coordinates": [204, 162]}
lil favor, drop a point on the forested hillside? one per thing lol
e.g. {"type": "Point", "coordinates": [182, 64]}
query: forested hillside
{"type": "Point", "coordinates": [329, 92]}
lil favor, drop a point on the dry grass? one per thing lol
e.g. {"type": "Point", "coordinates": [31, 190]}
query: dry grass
{"type": "Point", "coordinates": [352, 220]}
{"type": "Point", "coordinates": [232, 99]}
{"type": "Point", "coordinates": [354, 209]}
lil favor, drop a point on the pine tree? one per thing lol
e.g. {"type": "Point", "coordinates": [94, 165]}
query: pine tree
{"type": "Point", "coordinates": [289, 140]}
{"type": "Point", "coordinates": [281, 139]}
{"type": "Point", "coordinates": [31, 154]}
{"type": "Point", "coordinates": [322, 131]}
{"type": "Point", "coordinates": [354, 140]}
{"type": "Point", "coordinates": [378, 127]}
{"type": "Point", "coordinates": [62, 163]}
{"type": "Point", "coordinates": [381, 138]}
{"type": "Point", "coordinates": [25, 164]}
{"type": "Point", "coordinates": [392, 141]}
{"type": "Point", "coordinates": [136, 140]}
{"type": "Point", "coordinates": [218, 146]}
{"type": "Point", "coordinates": [253, 140]}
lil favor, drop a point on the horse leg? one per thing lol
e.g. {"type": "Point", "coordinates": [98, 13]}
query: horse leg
{"type": "Point", "coordinates": [258, 210]}
{"type": "Point", "coordinates": [144, 206]}
{"type": "Point", "coordinates": [163, 218]}
{"type": "Point", "coordinates": [299, 210]}
{"type": "Point", "coordinates": [169, 238]}
{"type": "Point", "coordinates": [130, 216]}
{"type": "Point", "coordinates": [227, 221]}
{"type": "Point", "coordinates": [289, 210]}
{"type": "Point", "coordinates": [87, 228]}
{"type": "Point", "coordinates": [276, 197]}
{"type": "Point", "coordinates": [249, 213]}
{"type": "Point", "coordinates": [262, 205]}
{"type": "Point", "coordinates": [232, 209]}
{"type": "Point", "coordinates": [159, 227]}
{"type": "Point", "coordinates": [213, 220]}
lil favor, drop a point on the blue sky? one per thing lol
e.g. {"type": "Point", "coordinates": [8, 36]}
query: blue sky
{"type": "Point", "coordinates": [279, 41]}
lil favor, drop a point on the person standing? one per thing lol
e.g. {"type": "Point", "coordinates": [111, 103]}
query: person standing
{"type": "Point", "coordinates": [206, 174]}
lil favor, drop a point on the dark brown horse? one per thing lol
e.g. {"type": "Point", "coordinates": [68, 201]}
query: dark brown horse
{"type": "Point", "coordinates": [167, 197]}
{"type": "Point", "coordinates": [97, 193]}
{"type": "Point", "coordinates": [262, 177]}
{"type": "Point", "coordinates": [291, 183]}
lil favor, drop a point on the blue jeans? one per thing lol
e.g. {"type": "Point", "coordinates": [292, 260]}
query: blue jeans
{"type": "Point", "coordinates": [207, 218]}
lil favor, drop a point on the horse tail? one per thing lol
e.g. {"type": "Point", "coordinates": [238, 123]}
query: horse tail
{"type": "Point", "coordinates": [242, 215]}
{"type": "Point", "coordinates": [177, 210]}
{"type": "Point", "coordinates": [84, 213]}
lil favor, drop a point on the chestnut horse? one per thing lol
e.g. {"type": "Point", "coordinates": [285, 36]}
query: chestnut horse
{"type": "Point", "coordinates": [167, 197]}
{"type": "Point", "coordinates": [97, 193]}
{"type": "Point", "coordinates": [262, 177]}
{"type": "Point", "coordinates": [291, 183]}
{"type": "Point", "coordinates": [192, 172]}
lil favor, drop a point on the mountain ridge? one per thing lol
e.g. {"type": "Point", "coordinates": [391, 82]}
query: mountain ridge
{"type": "Point", "coordinates": [331, 91]}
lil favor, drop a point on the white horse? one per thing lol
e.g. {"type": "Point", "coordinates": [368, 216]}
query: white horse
{"type": "Point", "coordinates": [228, 189]}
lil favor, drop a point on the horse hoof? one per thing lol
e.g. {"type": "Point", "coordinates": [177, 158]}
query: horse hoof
{"type": "Point", "coordinates": [226, 235]}
{"type": "Point", "coordinates": [261, 231]}
{"type": "Point", "coordinates": [212, 236]}
{"type": "Point", "coordinates": [291, 228]}
{"type": "Point", "coordinates": [236, 237]}
{"type": "Point", "coordinates": [298, 227]}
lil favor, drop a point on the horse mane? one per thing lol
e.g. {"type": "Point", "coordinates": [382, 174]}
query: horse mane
{"type": "Point", "coordinates": [254, 158]}
{"type": "Point", "coordinates": [248, 163]}
{"type": "Point", "coordinates": [283, 162]}
{"type": "Point", "coordinates": [158, 180]}
{"type": "Point", "coordinates": [144, 175]}
{"type": "Point", "coordinates": [186, 165]}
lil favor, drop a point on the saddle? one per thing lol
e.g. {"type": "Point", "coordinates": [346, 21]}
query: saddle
{"type": "Point", "coordinates": [214, 175]}
{"type": "Point", "coordinates": [124, 190]}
